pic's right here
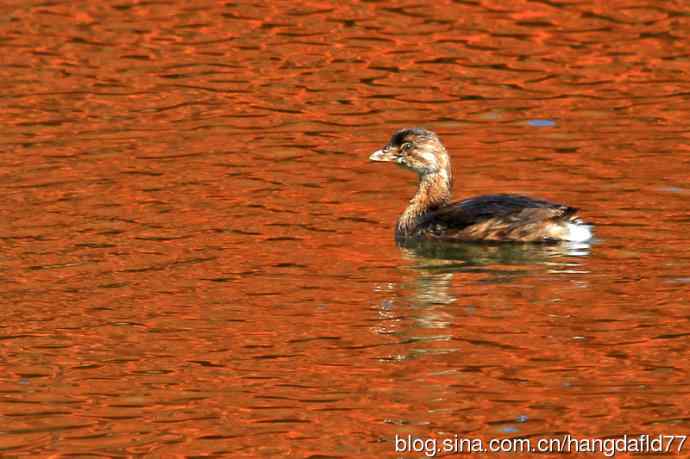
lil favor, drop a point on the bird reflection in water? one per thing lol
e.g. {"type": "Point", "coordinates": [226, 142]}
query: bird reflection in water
{"type": "Point", "coordinates": [454, 255]}
{"type": "Point", "coordinates": [429, 292]}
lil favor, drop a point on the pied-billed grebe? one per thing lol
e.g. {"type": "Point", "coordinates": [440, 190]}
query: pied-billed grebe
{"type": "Point", "coordinates": [498, 217]}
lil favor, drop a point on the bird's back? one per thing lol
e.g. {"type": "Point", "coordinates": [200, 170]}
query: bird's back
{"type": "Point", "coordinates": [501, 217]}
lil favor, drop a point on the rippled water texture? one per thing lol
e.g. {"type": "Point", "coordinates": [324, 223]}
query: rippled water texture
{"type": "Point", "coordinates": [198, 260]}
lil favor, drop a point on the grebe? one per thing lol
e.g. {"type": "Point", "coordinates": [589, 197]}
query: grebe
{"type": "Point", "coordinates": [498, 217]}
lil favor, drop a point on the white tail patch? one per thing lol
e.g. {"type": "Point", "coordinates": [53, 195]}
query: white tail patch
{"type": "Point", "coordinates": [578, 232]}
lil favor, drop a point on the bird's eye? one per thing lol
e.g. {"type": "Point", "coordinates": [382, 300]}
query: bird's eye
{"type": "Point", "coordinates": [406, 146]}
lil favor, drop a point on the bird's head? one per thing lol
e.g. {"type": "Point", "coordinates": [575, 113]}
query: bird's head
{"type": "Point", "coordinates": [417, 149]}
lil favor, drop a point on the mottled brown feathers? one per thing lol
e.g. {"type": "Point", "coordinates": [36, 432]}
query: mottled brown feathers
{"type": "Point", "coordinates": [500, 217]}
{"type": "Point", "coordinates": [492, 218]}
{"type": "Point", "coordinates": [496, 218]}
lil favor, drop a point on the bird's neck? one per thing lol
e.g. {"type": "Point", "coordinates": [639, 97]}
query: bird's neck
{"type": "Point", "coordinates": [433, 191]}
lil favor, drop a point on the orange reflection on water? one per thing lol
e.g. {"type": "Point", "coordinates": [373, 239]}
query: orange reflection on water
{"type": "Point", "coordinates": [198, 260]}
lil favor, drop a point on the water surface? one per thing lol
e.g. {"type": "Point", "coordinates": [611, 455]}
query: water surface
{"type": "Point", "coordinates": [199, 261]}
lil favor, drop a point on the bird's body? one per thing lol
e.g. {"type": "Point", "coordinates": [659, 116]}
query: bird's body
{"type": "Point", "coordinates": [498, 217]}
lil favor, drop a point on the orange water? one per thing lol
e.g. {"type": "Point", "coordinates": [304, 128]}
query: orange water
{"type": "Point", "coordinates": [197, 259]}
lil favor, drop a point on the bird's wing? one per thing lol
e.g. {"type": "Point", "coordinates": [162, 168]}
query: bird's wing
{"type": "Point", "coordinates": [505, 208]}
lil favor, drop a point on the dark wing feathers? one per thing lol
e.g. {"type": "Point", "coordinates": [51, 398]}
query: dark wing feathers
{"type": "Point", "coordinates": [506, 207]}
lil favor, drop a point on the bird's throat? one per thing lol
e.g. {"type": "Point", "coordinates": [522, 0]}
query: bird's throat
{"type": "Point", "coordinates": [433, 191]}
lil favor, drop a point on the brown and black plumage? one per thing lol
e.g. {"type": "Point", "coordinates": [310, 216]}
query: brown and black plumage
{"type": "Point", "coordinates": [499, 217]}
